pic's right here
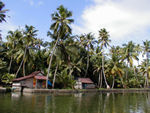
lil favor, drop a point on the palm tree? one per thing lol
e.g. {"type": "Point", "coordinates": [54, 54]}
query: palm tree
{"type": "Point", "coordinates": [28, 41]}
{"type": "Point", "coordinates": [98, 69]}
{"type": "Point", "coordinates": [129, 54]}
{"type": "Point", "coordinates": [145, 71]}
{"type": "Point", "coordinates": [87, 42]}
{"type": "Point", "coordinates": [2, 12]}
{"type": "Point", "coordinates": [104, 42]}
{"type": "Point", "coordinates": [12, 43]}
{"type": "Point", "coordinates": [115, 67]}
{"type": "Point", "coordinates": [146, 49]}
{"type": "Point", "coordinates": [138, 49]}
{"type": "Point", "coordinates": [60, 29]}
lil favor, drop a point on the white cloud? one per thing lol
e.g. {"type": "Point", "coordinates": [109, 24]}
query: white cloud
{"type": "Point", "coordinates": [40, 3]}
{"type": "Point", "coordinates": [34, 2]}
{"type": "Point", "coordinates": [7, 26]}
{"type": "Point", "coordinates": [31, 2]}
{"type": "Point", "coordinates": [124, 19]}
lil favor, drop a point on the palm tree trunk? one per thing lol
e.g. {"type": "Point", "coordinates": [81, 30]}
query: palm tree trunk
{"type": "Point", "coordinates": [21, 62]}
{"type": "Point", "coordinates": [50, 61]}
{"type": "Point", "coordinates": [24, 68]}
{"type": "Point", "coordinates": [10, 64]}
{"type": "Point", "coordinates": [122, 82]}
{"type": "Point", "coordinates": [107, 86]}
{"type": "Point", "coordinates": [54, 76]}
{"type": "Point", "coordinates": [113, 82]}
{"type": "Point", "coordinates": [127, 71]}
{"type": "Point", "coordinates": [134, 68]}
{"type": "Point", "coordinates": [87, 66]}
{"type": "Point", "coordinates": [147, 70]}
{"type": "Point", "coordinates": [101, 79]}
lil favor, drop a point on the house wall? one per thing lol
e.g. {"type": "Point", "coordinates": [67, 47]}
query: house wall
{"type": "Point", "coordinates": [41, 84]}
{"type": "Point", "coordinates": [78, 85]}
{"type": "Point", "coordinates": [27, 83]}
{"type": "Point", "coordinates": [88, 86]}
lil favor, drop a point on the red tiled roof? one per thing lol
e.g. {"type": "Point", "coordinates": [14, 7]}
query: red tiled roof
{"type": "Point", "coordinates": [40, 77]}
{"type": "Point", "coordinates": [86, 80]}
{"type": "Point", "coordinates": [29, 76]}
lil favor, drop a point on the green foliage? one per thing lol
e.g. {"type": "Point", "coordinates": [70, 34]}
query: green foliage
{"type": "Point", "coordinates": [66, 80]}
{"type": "Point", "coordinates": [2, 12]}
{"type": "Point", "coordinates": [76, 56]}
{"type": "Point", "coordinates": [7, 78]}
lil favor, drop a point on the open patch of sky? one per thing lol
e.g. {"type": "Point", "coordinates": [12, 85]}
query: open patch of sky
{"type": "Point", "coordinates": [124, 19]}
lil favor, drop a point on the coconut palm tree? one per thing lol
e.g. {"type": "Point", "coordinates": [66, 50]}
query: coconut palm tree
{"type": "Point", "coordinates": [28, 43]}
{"type": "Point", "coordinates": [145, 72]}
{"type": "Point", "coordinates": [114, 66]}
{"type": "Point", "coordinates": [60, 28]}
{"type": "Point", "coordinates": [104, 42]}
{"type": "Point", "coordinates": [129, 54]}
{"type": "Point", "coordinates": [98, 69]}
{"type": "Point", "coordinates": [2, 12]}
{"type": "Point", "coordinates": [146, 49]}
{"type": "Point", "coordinates": [87, 41]}
{"type": "Point", "coordinates": [12, 43]}
{"type": "Point", "coordinates": [138, 49]}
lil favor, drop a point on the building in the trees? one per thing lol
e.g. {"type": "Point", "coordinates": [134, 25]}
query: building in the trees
{"type": "Point", "coordinates": [84, 83]}
{"type": "Point", "coordinates": [35, 80]}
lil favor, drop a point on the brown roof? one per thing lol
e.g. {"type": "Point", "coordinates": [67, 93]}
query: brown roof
{"type": "Point", "coordinates": [86, 80]}
{"type": "Point", "coordinates": [29, 76]}
{"type": "Point", "coordinates": [40, 77]}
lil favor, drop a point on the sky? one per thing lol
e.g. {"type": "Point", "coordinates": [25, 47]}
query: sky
{"type": "Point", "coordinates": [125, 20]}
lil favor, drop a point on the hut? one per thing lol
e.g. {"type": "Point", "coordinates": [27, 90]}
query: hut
{"type": "Point", "coordinates": [35, 80]}
{"type": "Point", "coordinates": [84, 83]}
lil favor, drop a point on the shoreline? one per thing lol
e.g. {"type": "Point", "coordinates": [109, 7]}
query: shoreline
{"type": "Point", "coordinates": [3, 90]}
{"type": "Point", "coordinates": [57, 91]}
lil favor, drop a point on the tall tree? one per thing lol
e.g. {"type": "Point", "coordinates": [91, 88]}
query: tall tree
{"type": "Point", "coordinates": [12, 43]}
{"type": "Point", "coordinates": [114, 66]}
{"type": "Point", "coordinates": [146, 49]}
{"type": "Point", "coordinates": [129, 54]}
{"type": "Point", "coordinates": [104, 42]}
{"type": "Point", "coordinates": [28, 41]}
{"type": "Point", "coordinates": [2, 14]}
{"type": "Point", "coordinates": [87, 41]}
{"type": "Point", "coordinates": [60, 28]}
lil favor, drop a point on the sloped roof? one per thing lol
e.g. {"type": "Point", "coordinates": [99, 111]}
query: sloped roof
{"type": "Point", "coordinates": [31, 76]}
{"type": "Point", "coordinates": [86, 80]}
{"type": "Point", "coordinates": [40, 77]}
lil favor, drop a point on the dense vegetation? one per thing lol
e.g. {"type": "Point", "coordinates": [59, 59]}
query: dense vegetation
{"type": "Point", "coordinates": [68, 56]}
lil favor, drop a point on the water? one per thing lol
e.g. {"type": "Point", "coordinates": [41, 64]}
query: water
{"type": "Point", "coordinates": [75, 103]}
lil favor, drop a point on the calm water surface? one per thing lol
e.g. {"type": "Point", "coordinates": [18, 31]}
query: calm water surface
{"type": "Point", "coordinates": [75, 103]}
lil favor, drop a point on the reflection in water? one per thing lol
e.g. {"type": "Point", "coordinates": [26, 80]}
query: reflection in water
{"type": "Point", "coordinates": [75, 103]}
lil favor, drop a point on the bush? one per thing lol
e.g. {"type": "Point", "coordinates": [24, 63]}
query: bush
{"type": "Point", "coordinates": [7, 78]}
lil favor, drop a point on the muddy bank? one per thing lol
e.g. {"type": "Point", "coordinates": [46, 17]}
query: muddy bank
{"type": "Point", "coordinates": [85, 90]}
{"type": "Point", "coordinates": [2, 90]}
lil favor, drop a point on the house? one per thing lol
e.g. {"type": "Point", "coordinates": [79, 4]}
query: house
{"type": "Point", "coordinates": [84, 83]}
{"type": "Point", "coordinates": [35, 80]}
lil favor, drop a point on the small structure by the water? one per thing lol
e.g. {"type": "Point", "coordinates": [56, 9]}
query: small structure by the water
{"type": "Point", "coordinates": [35, 80]}
{"type": "Point", "coordinates": [84, 83]}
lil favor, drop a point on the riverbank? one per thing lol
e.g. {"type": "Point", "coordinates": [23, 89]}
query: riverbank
{"type": "Point", "coordinates": [26, 90]}
{"type": "Point", "coordinates": [85, 90]}
{"type": "Point", "coordinates": [2, 90]}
